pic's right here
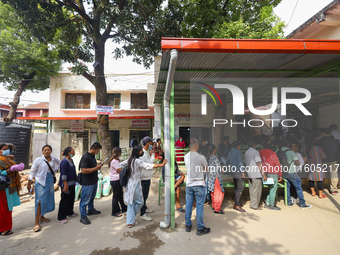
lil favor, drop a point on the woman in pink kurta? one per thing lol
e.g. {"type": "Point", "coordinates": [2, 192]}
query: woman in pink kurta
{"type": "Point", "coordinates": [180, 144]}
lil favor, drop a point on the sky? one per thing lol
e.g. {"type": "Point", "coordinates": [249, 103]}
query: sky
{"type": "Point", "coordinates": [304, 9]}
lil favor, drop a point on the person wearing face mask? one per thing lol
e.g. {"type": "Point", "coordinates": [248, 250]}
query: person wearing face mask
{"type": "Point", "coordinates": [9, 197]}
{"type": "Point", "coordinates": [146, 176]}
{"type": "Point", "coordinates": [133, 190]}
{"type": "Point", "coordinates": [67, 183]}
{"type": "Point", "coordinates": [180, 144]}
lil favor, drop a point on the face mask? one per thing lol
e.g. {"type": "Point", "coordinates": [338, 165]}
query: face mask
{"type": "Point", "coordinates": [6, 152]}
{"type": "Point", "coordinates": [71, 155]}
{"type": "Point", "coordinates": [206, 143]}
{"type": "Point", "coordinates": [181, 140]}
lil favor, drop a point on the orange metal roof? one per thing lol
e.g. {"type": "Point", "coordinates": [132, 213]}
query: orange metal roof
{"type": "Point", "coordinates": [42, 106]}
{"type": "Point", "coordinates": [252, 45]}
{"type": "Point", "coordinates": [83, 118]}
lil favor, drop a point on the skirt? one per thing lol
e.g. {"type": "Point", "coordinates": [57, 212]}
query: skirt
{"type": "Point", "coordinates": [45, 195]}
{"type": "Point", "coordinates": [5, 213]}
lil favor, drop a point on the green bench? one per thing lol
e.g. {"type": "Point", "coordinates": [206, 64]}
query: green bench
{"type": "Point", "coordinates": [226, 185]}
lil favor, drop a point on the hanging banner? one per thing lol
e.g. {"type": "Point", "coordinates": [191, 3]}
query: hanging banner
{"type": "Point", "coordinates": [77, 126]}
{"type": "Point", "coordinates": [104, 109]}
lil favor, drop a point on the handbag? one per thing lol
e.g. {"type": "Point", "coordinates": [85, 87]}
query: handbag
{"type": "Point", "coordinates": [49, 167]}
{"type": "Point", "coordinates": [80, 178]}
{"type": "Point", "coordinates": [5, 181]}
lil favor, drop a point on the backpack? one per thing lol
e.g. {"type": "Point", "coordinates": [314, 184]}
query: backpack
{"type": "Point", "coordinates": [134, 143]}
{"type": "Point", "coordinates": [283, 158]}
{"type": "Point", "coordinates": [123, 178]}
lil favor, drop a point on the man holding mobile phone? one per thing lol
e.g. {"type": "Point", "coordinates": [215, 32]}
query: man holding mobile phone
{"type": "Point", "coordinates": [89, 168]}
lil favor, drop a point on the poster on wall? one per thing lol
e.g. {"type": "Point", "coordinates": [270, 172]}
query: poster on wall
{"type": "Point", "coordinates": [140, 123]}
{"type": "Point", "coordinates": [104, 109]}
{"type": "Point", "coordinates": [77, 126]}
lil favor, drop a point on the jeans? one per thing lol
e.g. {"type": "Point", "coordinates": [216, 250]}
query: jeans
{"type": "Point", "coordinates": [224, 160]}
{"type": "Point", "coordinates": [197, 192]}
{"type": "Point", "coordinates": [296, 182]}
{"type": "Point", "coordinates": [145, 191]}
{"type": "Point", "coordinates": [132, 209]}
{"type": "Point", "coordinates": [88, 194]}
{"type": "Point", "coordinates": [238, 189]}
{"type": "Point", "coordinates": [273, 188]}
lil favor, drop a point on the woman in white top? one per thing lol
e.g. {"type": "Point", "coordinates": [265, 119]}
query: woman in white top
{"type": "Point", "coordinates": [44, 185]}
{"type": "Point", "coordinates": [133, 192]}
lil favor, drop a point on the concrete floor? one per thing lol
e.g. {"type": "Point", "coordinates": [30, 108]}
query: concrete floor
{"type": "Point", "coordinates": [290, 231]}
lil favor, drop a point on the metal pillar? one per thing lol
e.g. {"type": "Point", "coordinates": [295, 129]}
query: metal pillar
{"type": "Point", "coordinates": [172, 155]}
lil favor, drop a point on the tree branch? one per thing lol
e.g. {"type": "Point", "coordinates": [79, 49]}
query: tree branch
{"type": "Point", "coordinates": [89, 77]}
{"type": "Point", "coordinates": [68, 21]}
{"type": "Point", "coordinates": [80, 9]}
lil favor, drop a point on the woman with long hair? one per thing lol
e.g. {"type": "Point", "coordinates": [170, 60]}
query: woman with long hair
{"type": "Point", "coordinates": [117, 196]}
{"type": "Point", "coordinates": [67, 183]}
{"type": "Point", "coordinates": [214, 180]}
{"type": "Point", "coordinates": [9, 197]}
{"type": "Point", "coordinates": [133, 192]}
{"type": "Point", "coordinates": [313, 156]}
{"type": "Point", "coordinates": [43, 170]}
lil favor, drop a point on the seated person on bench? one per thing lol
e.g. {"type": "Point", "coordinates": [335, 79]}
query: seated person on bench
{"type": "Point", "coordinates": [179, 179]}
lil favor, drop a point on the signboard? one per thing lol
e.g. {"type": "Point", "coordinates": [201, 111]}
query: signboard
{"type": "Point", "coordinates": [140, 123]}
{"type": "Point", "coordinates": [77, 126]}
{"type": "Point", "coordinates": [104, 109]}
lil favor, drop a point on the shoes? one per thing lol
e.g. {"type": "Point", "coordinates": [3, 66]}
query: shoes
{"type": "Point", "coordinates": [148, 210]}
{"type": "Point", "coordinates": [267, 206]}
{"type": "Point", "coordinates": [188, 228]}
{"type": "Point", "coordinates": [334, 192]}
{"type": "Point", "coordinates": [93, 212]}
{"type": "Point", "coordinates": [203, 231]}
{"type": "Point", "coordinates": [290, 205]}
{"type": "Point", "coordinates": [258, 208]}
{"type": "Point", "coordinates": [85, 221]}
{"type": "Point", "coordinates": [146, 218]}
{"type": "Point", "coordinates": [238, 208]}
{"type": "Point", "coordinates": [62, 221]}
{"type": "Point", "coordinates": [74, 215]}
{"type": "Point", "coordinates": [275, 208]}
{"type": "Point", "coordinates": [305, 206]}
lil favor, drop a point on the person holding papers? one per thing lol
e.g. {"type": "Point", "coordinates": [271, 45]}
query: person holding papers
{"type": "Point", "coordinates": [271, 166]}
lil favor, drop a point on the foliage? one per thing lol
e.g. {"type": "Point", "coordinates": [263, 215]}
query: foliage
{"type": "Point", "coordinates": [21, 54]}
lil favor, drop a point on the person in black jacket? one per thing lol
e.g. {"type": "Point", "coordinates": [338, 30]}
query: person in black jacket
{"type": "Point", "coordinates": [223, 150]}
{"type": "Point", "coordinates": [331, 147]}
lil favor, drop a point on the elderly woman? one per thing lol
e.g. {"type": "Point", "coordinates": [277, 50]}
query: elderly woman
{"type": "Point", "coordinates": [133, 193]}
{"type": "Point", "coordinates": [43, 170]}
{"type": "Point", "coordinates": [8, 197]}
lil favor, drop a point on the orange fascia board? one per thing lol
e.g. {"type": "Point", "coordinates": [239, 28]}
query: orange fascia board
{"type": "Point", "coordinates": [289, 46]}
{"type": "Point", "coordinates": [83, 118]}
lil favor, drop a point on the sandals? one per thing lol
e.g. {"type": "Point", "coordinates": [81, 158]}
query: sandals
{"type": "Point", "coordinates": [134, 224]}
{"type": "Point", "coordinates": [117, 215]}
{"type": "Point", "coordinates": [6, 233]}
{"type": "Point", "coordinates": [37, 228]}
{"type": "Point", "coordinates": [180, 209]}
{"type": "Point", "coordinates": [43, 219]}
{"type": "Point", "coordinates": [323, 196]}
{"type": "Point", "coordinates": [314, 194]}
{"type": "Point", "coordinates": [219, 212]}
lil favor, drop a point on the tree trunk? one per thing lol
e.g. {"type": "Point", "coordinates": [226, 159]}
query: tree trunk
{"type": "Point", "coordinates": [221, 113]}
{"type": "Point", "coordinates": [16, 100]}
{"type": "Point", "coordinates": [101, 99]}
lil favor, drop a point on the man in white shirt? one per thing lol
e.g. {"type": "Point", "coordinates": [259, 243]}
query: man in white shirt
{"type": "Point", "coordinates": [146, 176]}
{"type": "Point", "coordinates": [335, 132]}
{"type": "Point", "coordinates": [255, 174]}
{"type": "Point", "coordinates": [195, 164]}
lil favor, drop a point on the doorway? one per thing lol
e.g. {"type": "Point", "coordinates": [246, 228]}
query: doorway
{"type": "Point", "coordinates": [114, 134]}
{"type": "Point", "coordinates": [139, 134]}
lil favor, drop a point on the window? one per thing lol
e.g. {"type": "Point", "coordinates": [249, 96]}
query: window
{"type": "Point", "coordinates": [77, 101]}
{"type": "Point", "coordinates": [139, 101]}
{"type": "Point", "coordinates": [114, 100]}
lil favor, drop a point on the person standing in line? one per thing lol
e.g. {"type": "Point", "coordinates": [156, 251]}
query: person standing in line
{"type": "Point", "coordinates": [9, 197]}
{"type": "Point", "coordinates": [67, 183]}
{"type": "Point", "coordinates": [180, 144]}
{"type": "Point", "coordinates": [215, 180]}
{"type": "Point", "coordinates": [314, 156]}
{"type": "Point", "coordinates": [133, 142]}
{"type": "Point", "coordinates": [133, 191]}
{"type": "Point", "coordinates": [272, 167]}
{"type": "Point", "coordinates": [255, 174]}
{"type": "Point", "coordinates": [237, 172]}
{"type": "Point", "coordinates": [117, 189]}
{"type": "Point", "coordinates": [335, 132]}
{"type": "Point", "coordinates": [89, 169]}
{"type": "Point", "coordinates": [224, 149]}
{"type": "Point", "coordinates": [146, 176]}
{"type": "Point", "coordinates": [292, 177]}
{"type": "Point", "coordinates": [204, 147]}
{"type": "Point", "coordinates": [331, 147]}
{"type": "Point", "coordinates": [43, 170]}
{"type": "Point", "coordinates": [195, 187]}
